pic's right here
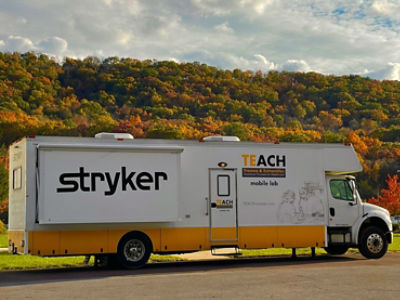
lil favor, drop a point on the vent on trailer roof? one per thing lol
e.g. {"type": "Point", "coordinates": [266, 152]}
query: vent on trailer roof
{"type": "Point", "coordinates": [114, 136]}
{"type": "Point", "coordinates": [221, 138]}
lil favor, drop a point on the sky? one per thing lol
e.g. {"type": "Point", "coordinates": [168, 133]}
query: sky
{"type": "Point", "coordinates": [337, 37]}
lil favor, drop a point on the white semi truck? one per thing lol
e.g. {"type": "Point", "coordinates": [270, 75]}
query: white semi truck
{"type": "Point", "coordinates": [124, 198]}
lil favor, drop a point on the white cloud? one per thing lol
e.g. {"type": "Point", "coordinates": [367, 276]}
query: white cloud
{"type": "Point", "coordinates": [227, 7]}
{"type": "Point", "coordinates": [295, 65]}
{"type": "Point", "coordinates": [214, 7]}
{"type": "Point", "coordinates": [384, 7]}
{"type": "Point", "coordinates": [132, 6]}
{"type": "Point", "coordinates": [258, 6]}
{"type": "Point", "coordinates": [255, 63]}
{"type": "Point", "coordinates": [123, 38]}
{"type": "Point", "coordinates": [390, 72]}
{"type": "Point", "coordinates": [19, 43]}
{"type": "Point", "coordinates": [173, 59]}
{"type": "Point", "coordinates": [267, 65]}
{"type": "Point", "coordinates": [333, 37]}
{"type": "Point", "coordinates": [54, 45]}
{"type": "Point", "coordinates": [224, 28]}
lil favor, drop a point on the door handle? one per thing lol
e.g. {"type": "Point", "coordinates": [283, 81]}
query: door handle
{"type": "Point", "coordinates": [332, 211]}
{"type": "Point", "coordinates": [213, 205]}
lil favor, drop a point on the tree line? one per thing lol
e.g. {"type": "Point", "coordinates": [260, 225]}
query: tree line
{"type": "Point", "coordinates": [165, 99]}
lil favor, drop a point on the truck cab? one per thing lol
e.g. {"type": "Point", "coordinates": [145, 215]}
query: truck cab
{"type": "Point", "coordinates": [354, 223]}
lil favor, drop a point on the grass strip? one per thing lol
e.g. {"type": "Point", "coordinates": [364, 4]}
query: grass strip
{"type": "Point", "coordinates": [395, 246]}
{"type": "Point", "coordinates": [165, 258]}
{"type": "Point", "coordinates": [4, 240]}
{"type": "Point", "coordinates": [28, 262]}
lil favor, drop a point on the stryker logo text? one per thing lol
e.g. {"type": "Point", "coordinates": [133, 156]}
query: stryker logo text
{"type": "Point", "coordinates": [87, 181]}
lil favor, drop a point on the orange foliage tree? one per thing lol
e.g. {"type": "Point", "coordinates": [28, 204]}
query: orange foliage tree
{"type": "Point", "coordinates": [389, 198]}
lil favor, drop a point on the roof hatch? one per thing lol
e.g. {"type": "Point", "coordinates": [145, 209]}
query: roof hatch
{"type": "Point", "coordinates": [113, 136]}
{"type": "Point", "coordinates": [221, 138]}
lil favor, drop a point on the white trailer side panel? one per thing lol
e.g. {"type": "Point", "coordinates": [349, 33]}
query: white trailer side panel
{"type": "Point", "coordinates": [341, 160]}
{"type": "Point", "coordinates": [276, 184]}
{"type": "Point", "coordinates": [17, 186]}
{"type": "Point", "coordinates": [78, 185]}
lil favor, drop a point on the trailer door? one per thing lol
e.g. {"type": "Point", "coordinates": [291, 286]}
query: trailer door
{"type": "Point", "coordinates": [223, 208]}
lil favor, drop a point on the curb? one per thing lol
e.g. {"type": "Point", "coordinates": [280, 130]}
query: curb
{"type": "Point", "coordinates": [3, 249]}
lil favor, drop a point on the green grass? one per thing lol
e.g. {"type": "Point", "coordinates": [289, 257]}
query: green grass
{"type": "Point", "coordinates": [28, 262]}
{"type": "Point", "coordinates": [165, 258]}
{"type": "Point", "coordinates": [4, 240]}
{"type": "Point", "coordinates": [395, 246]}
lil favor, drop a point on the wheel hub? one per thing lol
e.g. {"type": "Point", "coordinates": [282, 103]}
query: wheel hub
{"type": "Point", "coordinates": [374, 243]}
{"type": "Point", "coordinates": [134, 250]}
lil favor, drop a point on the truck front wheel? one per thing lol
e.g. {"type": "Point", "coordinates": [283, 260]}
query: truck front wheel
{"type": "Point", "coordinates": [336, 250]}
{"type": "Point", "coordinates": [134, 250]}
{"type": "Point", "coordinates": [373, 243]}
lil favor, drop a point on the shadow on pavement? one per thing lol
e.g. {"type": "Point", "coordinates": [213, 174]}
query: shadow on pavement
{"type": "Point", "coordinates": [13, 278]}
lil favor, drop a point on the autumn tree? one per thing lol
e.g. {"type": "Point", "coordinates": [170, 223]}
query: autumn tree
{"type": "Point", "coordinates": [3, 182]}
{"type": "Point", "coordinates": [389, 198]}
{"type": "Point", "coordinates": [165, 99]}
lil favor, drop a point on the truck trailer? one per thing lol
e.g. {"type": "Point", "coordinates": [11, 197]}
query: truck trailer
{"type": "Point", "coordinates": [122, 198]}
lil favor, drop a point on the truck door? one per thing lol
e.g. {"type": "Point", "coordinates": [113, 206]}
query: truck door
{"type": "Point", "coordinates": [343, 205]}
{"type": "Point", "coordinates": [223, 208]}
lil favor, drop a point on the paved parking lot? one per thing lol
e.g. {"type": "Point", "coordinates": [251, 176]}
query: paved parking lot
{"type": "Point", "coordinates": [346, 277]}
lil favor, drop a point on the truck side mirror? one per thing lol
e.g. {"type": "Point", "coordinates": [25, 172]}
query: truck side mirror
{"type": "Point", "coordinates": [353, 190]}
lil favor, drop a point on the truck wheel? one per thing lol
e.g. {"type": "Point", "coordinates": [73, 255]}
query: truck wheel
{"type": "Point", "coordinates": [336, 250]}
{"type": "Point", "coordinates": [373, 243]}
{"type": "Point", "coordinates": [134, 250]}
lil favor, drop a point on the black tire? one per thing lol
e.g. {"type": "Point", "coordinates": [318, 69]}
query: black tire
{"type": "Point", "coordinates": [373, 243]}
{"type": "Point", "coordinates": [134, 250]}
{"type": "Point", "coordinates": [336, 250]}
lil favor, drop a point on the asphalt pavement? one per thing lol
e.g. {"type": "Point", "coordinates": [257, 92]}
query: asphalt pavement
{"type": "Point", "coordinates": [324, 277]}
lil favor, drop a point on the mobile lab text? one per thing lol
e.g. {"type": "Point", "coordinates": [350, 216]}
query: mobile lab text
{"type": "Point", "coordinates": [89, 181]}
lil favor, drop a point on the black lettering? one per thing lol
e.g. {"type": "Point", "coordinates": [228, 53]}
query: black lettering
{"type": "Point", "coordinates": [269, 159]}
{"type": "Point", "coordinates": [144, 177]}
{"type": "Point", "coordinates": [280, 160]}
{"type": "Point", "coordinates": [93, 179]}
{"type": "Point", "coordinates": [112, 186]}
{"type": "Point", "coordinates": [72, 182]}
{"type": "Point", "coordinates": [74, 185]}
{"type": "Point", "coordinates": [261, 161]}
{"type": "Point", "coordinates": [157, 176]}
{"type": "Point", "coordinates": [82, 176]}
{"type": "Point", "coordinates": [127, 180]}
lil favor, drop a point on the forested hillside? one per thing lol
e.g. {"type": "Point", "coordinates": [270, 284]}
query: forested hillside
{"type": "Point", "coordinates": [164, 99]}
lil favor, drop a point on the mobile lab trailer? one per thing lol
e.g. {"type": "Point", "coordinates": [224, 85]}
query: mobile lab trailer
{"type": "Point", "coordinates": [130, 197]}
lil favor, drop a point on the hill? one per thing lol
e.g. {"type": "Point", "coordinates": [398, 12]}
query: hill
{"type": "Point", "coordinates": [165, 99]}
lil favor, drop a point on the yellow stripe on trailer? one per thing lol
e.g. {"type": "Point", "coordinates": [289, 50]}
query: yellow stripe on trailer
{"type": "Point", "coordinates": [49, 243]}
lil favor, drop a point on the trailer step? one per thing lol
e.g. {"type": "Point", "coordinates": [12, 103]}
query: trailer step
{"type": "Point", "coordinates": [225, 247]}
